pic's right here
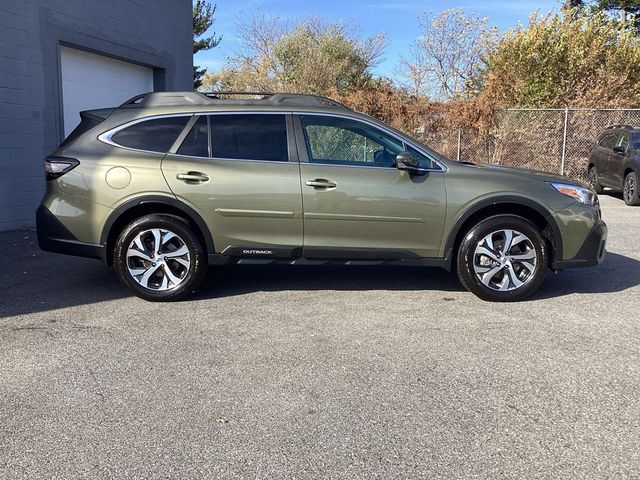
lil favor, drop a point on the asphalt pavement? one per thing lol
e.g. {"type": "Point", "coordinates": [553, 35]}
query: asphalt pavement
{"type": "Point", "coordinates": [319, 372]}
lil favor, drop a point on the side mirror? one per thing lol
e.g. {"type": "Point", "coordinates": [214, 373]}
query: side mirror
{"type": "Point", "coordinates": [407, 161]}
{"type": "Point", "coordinates": [620, 150]}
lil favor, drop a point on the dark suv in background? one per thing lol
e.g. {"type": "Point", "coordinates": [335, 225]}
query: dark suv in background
{"type": "Point", "coordinates": [615, 162]}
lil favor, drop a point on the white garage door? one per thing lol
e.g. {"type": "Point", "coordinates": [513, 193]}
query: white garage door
{"type": "Point", "coordinates": [95, 81]}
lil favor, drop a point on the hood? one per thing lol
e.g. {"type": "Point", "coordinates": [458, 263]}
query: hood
{"type": "Point", "coordinates": [545, 176]}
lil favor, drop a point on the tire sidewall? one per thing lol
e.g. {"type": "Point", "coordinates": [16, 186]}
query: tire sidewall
{"type": "Point", "coordinates": [197, 269]}
{"type": "Point", "coordinates": [466, 251]}
{"type": "Point", "coordinates": [595, 184]}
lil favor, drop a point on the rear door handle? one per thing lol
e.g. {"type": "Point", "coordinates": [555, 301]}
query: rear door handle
{"type": "Point", "coordinates": [321, 184]}
{"type": "Point", "coordinates": [192, 177]}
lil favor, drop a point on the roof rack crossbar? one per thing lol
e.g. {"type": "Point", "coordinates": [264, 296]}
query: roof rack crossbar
{"type": "Point", "coordinates": [216, 94]}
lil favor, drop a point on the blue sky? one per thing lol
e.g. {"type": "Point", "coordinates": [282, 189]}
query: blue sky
{"type": "Point", "coordinates": [398, 19]}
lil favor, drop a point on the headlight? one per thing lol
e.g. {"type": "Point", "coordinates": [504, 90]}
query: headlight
{"type": "Point", "coordinates": [581, 194]}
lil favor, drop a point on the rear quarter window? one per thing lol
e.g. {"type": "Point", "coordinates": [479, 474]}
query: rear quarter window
{"type": "Point", "coordinates": [155, 135]}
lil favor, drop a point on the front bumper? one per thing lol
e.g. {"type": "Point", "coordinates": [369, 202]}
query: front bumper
{"type": "Point", "coordinates": [54, 237]}
{"type": "Point", "coordinates": [592, 251]}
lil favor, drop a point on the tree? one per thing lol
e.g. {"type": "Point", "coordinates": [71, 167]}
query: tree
{"type": "Point", "coordinates": [309, 56]}
{"type": "Point", "coordinates": [554, 63]}
{"type": "Point", "coordinates": [203, 13]}
{"type": "Point", "coordinates": [628, 11]}
{"type": "Point", "coordinates": [445, 60]}
{"type": "Point", "coordinates": [572, 8]}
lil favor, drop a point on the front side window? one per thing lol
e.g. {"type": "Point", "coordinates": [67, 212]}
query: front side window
{"type": "Point", "coordinates": [623, 141]}
{"type": "Point", "coordinates": [249, 137]}
{"type": "Point", "coordinates": [341, 141]}
{"type": "Point", "coordinates": [155, 135]}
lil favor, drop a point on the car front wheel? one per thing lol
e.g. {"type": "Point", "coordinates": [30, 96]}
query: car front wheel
{"type": "Point", "coordinates": [503, 258]}
{"type": "Point", "coordinates": [159, 258]}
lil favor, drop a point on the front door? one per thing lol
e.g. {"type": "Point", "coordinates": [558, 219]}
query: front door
{"type": "Point", "coordinates": [616, 160]}
{"type": "Point", "coordinates": [356, 201]}
{"type": "Point", "coordinates": [235, 170]}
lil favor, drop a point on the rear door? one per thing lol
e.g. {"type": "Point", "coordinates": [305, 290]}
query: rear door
{"type": "Point", "coordinates": [356, 202]}
{"type": "Point", "coordinates": [240, 172]}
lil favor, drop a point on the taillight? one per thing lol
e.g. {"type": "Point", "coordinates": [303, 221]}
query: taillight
{"type": "Point", "coordinates": [55, 167]}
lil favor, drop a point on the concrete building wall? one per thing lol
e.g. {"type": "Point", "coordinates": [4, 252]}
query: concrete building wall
{"type": "Point", "coordinates": [152, 33]}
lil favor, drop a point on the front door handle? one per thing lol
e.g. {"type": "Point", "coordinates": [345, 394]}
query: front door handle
{"type": "Point", "coordinates": [193, 177]}
{"type": "Point", "coordinates": [321, 184]}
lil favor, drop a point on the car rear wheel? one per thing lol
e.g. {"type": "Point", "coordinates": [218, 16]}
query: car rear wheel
{"type": "Point", "coordinates": [630, 191]}
{"type": "Point", "coordinates": [503, 258]}
{"type": "Point", "coordinates": [159, 258]}
{"type": "Point", "coordinates": [593, 180]}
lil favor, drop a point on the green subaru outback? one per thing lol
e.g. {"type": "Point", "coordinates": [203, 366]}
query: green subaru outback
{"type": "Point", "coordinates": [169, 183]}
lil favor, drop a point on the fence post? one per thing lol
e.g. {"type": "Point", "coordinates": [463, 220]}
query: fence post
{"type": "Point", "coordinates": [564, 139]}
{"type": "Point", "coordinates": [458, 150]}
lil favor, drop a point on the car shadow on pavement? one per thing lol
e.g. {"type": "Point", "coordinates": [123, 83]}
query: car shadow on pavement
{"type": "Point", "coordinates": [616, 274]}
{"type": "Point", "coordinates": [243, 279]}
{"type": "Point", "coordinates": [36, 281]}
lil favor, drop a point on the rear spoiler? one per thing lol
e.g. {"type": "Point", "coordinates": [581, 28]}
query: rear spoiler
{"type": "Point", "coordinates": [88, 120]}
{"type": "Point", "coordinates": [98, 115]}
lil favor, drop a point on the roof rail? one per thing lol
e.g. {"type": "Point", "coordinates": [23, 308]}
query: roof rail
{"type": "Point", "coordinates": [163, 99]}
{"type": "Point", "coordinates": [622, 125]}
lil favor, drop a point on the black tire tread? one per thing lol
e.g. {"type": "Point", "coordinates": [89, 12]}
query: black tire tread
{"type": "Point", "coordinates": [467, 275]}
{"type": "Point", "coordinates": [199, 258]}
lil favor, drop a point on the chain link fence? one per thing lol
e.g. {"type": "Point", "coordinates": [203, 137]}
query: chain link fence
{"type": "Point", "coordinates": [551, 140]}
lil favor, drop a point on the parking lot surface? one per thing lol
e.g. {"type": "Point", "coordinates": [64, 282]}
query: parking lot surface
{"type": "Point", "coordinates": [319, 372]}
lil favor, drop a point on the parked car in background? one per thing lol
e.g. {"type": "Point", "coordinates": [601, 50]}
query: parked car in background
{"type": "Point", "coordinates": [615, 162]}
{"type": "Point", "coordinates": [171, 182]}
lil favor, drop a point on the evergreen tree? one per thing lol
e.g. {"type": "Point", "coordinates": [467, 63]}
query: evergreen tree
{"type": "Point", "coordinates": [203, 13]}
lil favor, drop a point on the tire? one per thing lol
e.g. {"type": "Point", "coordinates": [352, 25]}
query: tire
{"type": "Point", "coordinates": [630, 191]}
{"type": "Point", "coordinates": [594, 181]}
{"type": "Point", "coordinates": [165, 274]}
{"type": "Point", "coordinates": [507, 278]}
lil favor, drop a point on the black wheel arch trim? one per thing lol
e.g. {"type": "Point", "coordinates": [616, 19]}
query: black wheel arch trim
{"type": "Point", "coordinates": [158, 199]}
{"type": "Point", "coordinates": [556, 237]}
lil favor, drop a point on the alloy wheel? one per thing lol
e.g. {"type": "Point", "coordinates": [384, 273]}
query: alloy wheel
{"type": "Point", "coordinates": [505, 260]}
{"type": "Point", "coordinates": [158, 259]}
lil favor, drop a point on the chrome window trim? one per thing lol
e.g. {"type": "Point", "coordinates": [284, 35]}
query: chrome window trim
{"type": "Point", "coordinates": [107, 137]}
{"type": "Point", "coordinates": [443, 168]}
{"type": "Point", "coordinates": [276, 162]}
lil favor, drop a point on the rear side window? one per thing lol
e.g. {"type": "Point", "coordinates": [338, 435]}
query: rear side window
{"type": "Point", "coordinates": [249, 137]}
{"type": "Point", "coordinates": [155, 135]}
{"type": "Point", "coordinates": [196, 144]}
